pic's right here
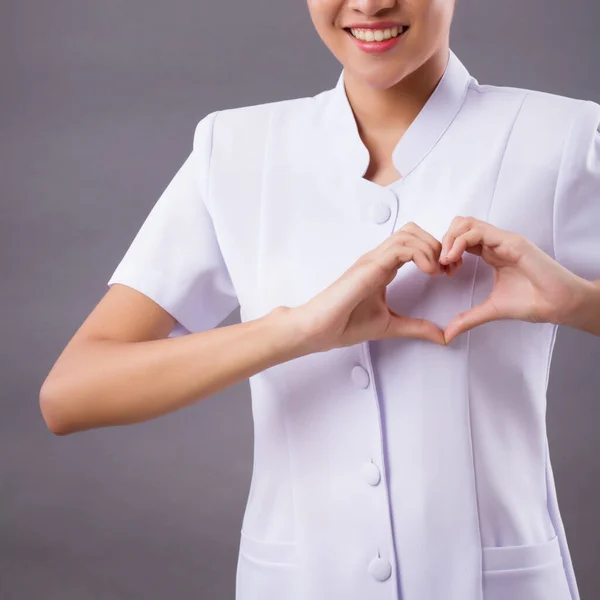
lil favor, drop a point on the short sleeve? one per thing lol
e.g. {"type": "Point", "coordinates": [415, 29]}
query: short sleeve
{"type": "Point", "coordinates": [577, 200]}
{"type": "Point", "coordinates": [175, 258]}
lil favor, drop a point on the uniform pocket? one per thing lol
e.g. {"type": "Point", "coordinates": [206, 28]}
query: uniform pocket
{"type": "Point", "coordinates": [266, 570]}
{"type": "Point", "coordinates": [532, 572]}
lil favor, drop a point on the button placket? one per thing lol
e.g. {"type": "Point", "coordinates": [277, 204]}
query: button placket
{"type": "Point", "coordinates": [381, 211]}
{"type": "Point", "coordinates": [360, 377]}
{"type": "Point", "coordinates": [377, 206]}
{"type": "Point", "coordinates": [371, 473]}
{"type": "Point", "coordinates": [379, 568]}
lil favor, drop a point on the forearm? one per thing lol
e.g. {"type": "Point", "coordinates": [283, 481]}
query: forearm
{"type": "Point", "coordinates": [586, 312]}
{"type": "Point", "coordinates": [102, 383]}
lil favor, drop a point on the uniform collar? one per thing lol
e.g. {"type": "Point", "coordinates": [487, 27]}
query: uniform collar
{"type": "Point", "coordinates": [421, 136]}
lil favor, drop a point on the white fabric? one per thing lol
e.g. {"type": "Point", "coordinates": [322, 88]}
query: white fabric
{"type": "Point", "coordinates": [175, 257]}
{"type": "Point", "coordinates": [271, 208]}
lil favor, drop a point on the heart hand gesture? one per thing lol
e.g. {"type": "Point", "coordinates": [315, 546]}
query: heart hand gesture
{"type": "Point", "coordinates": [528, 284]}
{"type": "Point", "coordinates": [354, 307]}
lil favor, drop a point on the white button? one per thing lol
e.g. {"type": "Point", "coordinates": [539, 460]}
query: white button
{"type": "Point", "coordinates": [371, 473]}
{"type": "Point", "coordinates": [380, 569]}
{"type": "Point", "coordinates": [360, 376]}
{"type": "Point", "coordinates": [381, 212]}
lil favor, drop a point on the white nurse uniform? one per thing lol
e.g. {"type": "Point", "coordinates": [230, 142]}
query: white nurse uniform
{"type": "Point", "coordinates": [394, 469]}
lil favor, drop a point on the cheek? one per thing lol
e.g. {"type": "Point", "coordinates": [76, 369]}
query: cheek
{"type": "Point", "coordinates": [437, 14]}
{"type": "Point", "coordinates": [325, 15]}
{"type": "Point", "coordinates": [324, 11]}
{"type": "Point", "coordinates": [432, 21]}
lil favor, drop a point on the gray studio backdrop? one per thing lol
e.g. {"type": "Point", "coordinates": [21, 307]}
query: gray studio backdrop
{"type": "Point", "coordinates": [98, 104]}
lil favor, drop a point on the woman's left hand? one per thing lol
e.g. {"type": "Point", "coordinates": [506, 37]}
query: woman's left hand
{"type": "Point", "coordinates": [528, 284]}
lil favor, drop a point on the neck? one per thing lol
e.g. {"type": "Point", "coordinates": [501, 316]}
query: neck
{"type": "Point", "coordinates": [390, 111]}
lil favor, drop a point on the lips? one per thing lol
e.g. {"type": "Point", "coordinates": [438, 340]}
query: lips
{"type": "Point", "coordinates": [375, 25]}
{"type": "Point", "coordinates": [377, 39]}
{"type": "Point", "coordinates": [376, 34]}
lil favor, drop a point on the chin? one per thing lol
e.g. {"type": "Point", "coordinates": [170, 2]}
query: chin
{"type": "Point", "coordinates": [377, 77]}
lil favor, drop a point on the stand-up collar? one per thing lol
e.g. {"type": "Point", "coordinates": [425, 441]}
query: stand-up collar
{"type": "Point", "coordinates": [420, 137]}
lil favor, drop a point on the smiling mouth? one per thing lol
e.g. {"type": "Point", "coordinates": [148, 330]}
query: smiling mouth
{"type": "Point", "coordinates": [376, 35]}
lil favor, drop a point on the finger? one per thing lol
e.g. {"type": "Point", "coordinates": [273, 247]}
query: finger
{"type": "Point", "coordinates": [419, 232]}
{"type": "Point", "coordinates": [409, 327]}
{"type": "Point", "coordinates": [396, 256]}
{"type": "Point", "coordinates": [473, 237]}
{"type": "Point", "coordinates": [377, 267]}
{"type": "Point", "coordinates": [451, 268]}
{"type": "Point", "coordinates": [431, 252]}
{"type": "Point", "coordinates": [424, 259]}
{"type": "Point", "coordinates": [409, 249]}
{"type": "Point", "coordinates": [457, 226]}
{"type": "Point", "coordinates": [426, 263]}
{"type": "Point", "coordinates": [412, 235]}
{"type": "Point", "coordinates": [478, 315]}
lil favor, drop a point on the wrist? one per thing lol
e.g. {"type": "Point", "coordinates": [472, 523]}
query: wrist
{"type": "Point", "coordinates": [585, 311]}
{"type": "Point", "coordinates": [292, 331]}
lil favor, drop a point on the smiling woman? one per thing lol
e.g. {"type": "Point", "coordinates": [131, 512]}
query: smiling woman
{"type": "Point", "coordinates": [423, 27]}
{"type": "Point", "coordinates": [402, 247]}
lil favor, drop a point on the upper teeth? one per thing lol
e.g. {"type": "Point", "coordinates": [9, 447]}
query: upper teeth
{"type": "Point", "coordinates": [376, 35]}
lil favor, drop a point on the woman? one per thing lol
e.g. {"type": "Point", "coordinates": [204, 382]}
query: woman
{"type": "Point", "coordinates": [402, 248]}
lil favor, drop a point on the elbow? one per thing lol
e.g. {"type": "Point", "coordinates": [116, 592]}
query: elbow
{"type": "Point", "coordinates": [52, 410]}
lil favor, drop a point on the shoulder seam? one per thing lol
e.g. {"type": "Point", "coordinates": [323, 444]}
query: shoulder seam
{"type": "Point", "coordinates": [209, 166]}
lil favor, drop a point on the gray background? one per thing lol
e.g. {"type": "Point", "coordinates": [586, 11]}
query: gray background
{"type": "Point", "coordinates": [99, 101]}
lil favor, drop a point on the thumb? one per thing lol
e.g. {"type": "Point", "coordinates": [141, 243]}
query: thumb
{"type": "Point", "coordinates": [410, 327]}
{"type": "Point", "coordinates": [477, 315]}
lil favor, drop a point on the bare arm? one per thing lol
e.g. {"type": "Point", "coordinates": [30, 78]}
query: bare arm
{"type": "Point", "coordinates": [120, 367]}
{"type": "Point", "coordinates": [586, 313]}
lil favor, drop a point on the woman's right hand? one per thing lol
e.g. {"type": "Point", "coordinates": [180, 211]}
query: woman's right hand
{"type": "Point", "coordinates": [354, 308]}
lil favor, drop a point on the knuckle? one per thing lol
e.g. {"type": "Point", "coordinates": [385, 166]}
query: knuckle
{"type": "Point", "coordinates": [428, 267]}
{"type": "Point", "coordinates": [400, 254]}
{"type": "Point", "coordinates": [401, 234]}
{"type": "Point", "coordinates": [380, 268]}
{"type": "Point", "coordinates": [518, 243]}
{"type": "Point", "coordinates": [362, 260]}
{"type": "Point", "coordinates": [402, 241]}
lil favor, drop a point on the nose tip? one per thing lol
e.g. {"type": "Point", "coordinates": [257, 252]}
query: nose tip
{"type": "Point", "coordinates": [371, 7]}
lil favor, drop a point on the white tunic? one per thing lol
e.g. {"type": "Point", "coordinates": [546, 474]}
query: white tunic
{"type": "Point", "coordinates": [395, 469]}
